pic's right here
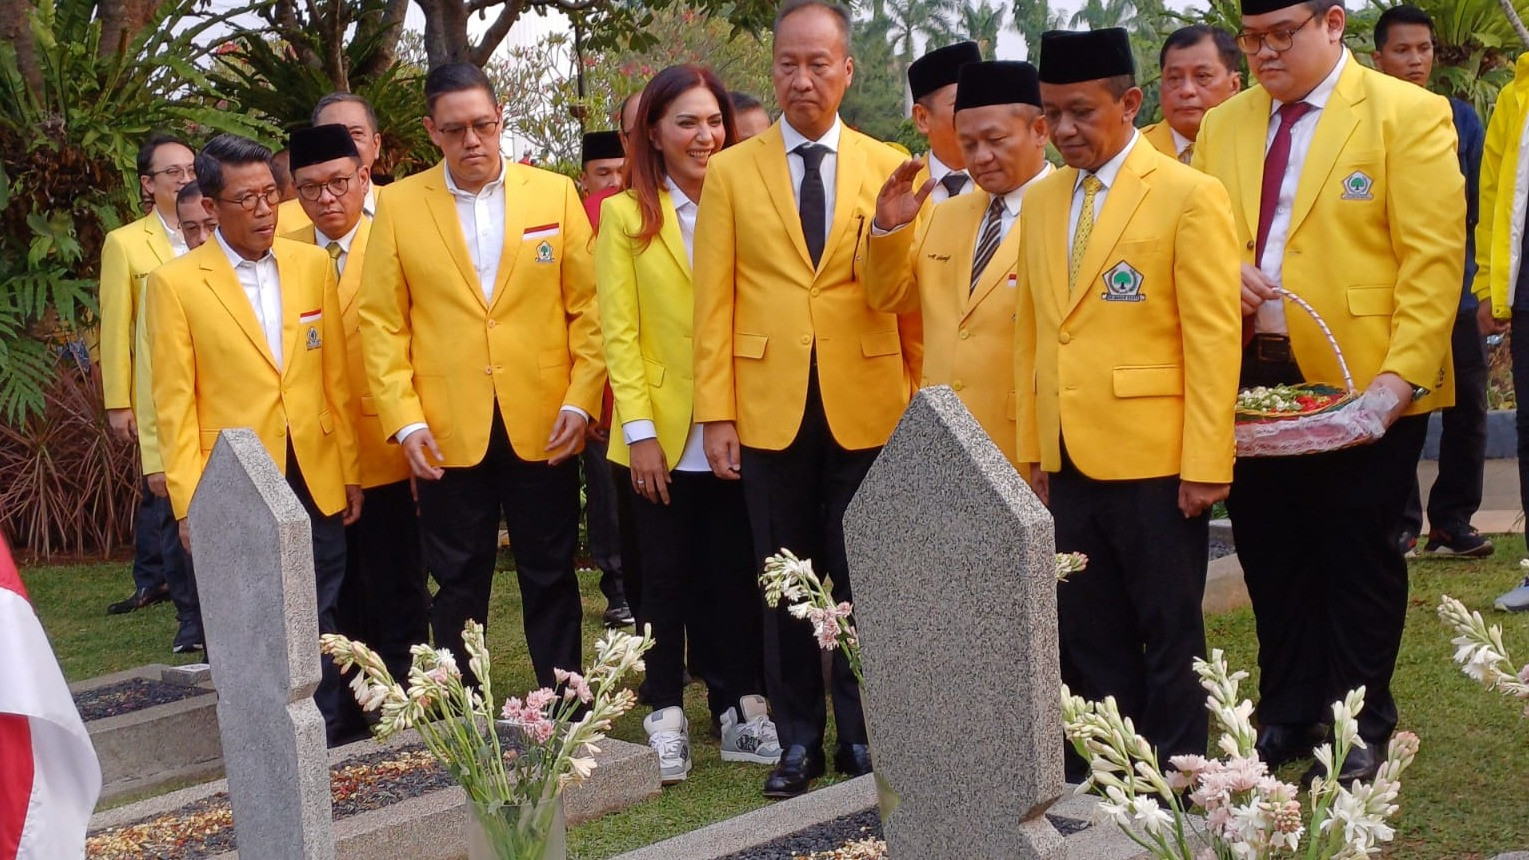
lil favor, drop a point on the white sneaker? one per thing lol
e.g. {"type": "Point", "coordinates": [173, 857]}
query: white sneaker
{"type": "Point", "coordinates": [669, 736]}
{"type": "Point", "coordinates": [754, 739]}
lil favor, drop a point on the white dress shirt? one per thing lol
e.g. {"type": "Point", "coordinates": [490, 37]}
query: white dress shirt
{"type": "Point", "coordinates": [323, 242]}
{"type": "Point", "coordinates": [482, 217]}
{"type": "Point", "coordinates": [938, 170]}
{"type": "Point", "coordinates": [262, 284]}
{"type": "Point", "coordinates": [369, 203]}
{"type": "Point", "coordinates": [1180, 142]}
{"type": "Point", "coordinates": [693, 457]}
{"type": "Point", "coordinates": [1106, 174]}
{"type": "Point", "coordinates": [828, 170]}
{"type": "Point", "coordinates": [177, 239]}
{"type": "Point", "coordinates": [1270, 316]}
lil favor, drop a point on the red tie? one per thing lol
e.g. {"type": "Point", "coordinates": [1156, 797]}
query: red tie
{"type": "Point", "coordinates": [1275, 163]}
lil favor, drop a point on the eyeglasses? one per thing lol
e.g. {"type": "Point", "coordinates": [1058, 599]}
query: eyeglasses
{"type": "Point", "coordinates": [251, 201]}
{"type": "Point", "coordinates": [314, 190]}
{"type": "Point", "coordinates": [483, 128]}
{"type": "Point", "coordinates": [1278, 41]}
{"type": "Point", "coordinates": [176, 172]}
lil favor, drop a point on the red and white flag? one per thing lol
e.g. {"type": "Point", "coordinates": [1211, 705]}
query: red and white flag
{"type": "Point", "coordinates": [49, 775]}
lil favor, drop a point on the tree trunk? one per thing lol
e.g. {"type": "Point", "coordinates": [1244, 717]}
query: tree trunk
{"type": "Point", "coordinates": [122, 21]}
{"type": "Point", "coordinates": [1515, 20]}
{"type": "Point", "coordinates": [16, 28]}
{"type": "Point", "coordinates": [445, 31]}
{"type": "Point", "coordinates": [390, 26]}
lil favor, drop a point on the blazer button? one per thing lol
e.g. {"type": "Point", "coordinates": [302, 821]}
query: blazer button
{"type": "Point", "coordinates": [1251, 246]}
{"type": "Point", "coordinates": [492, 323]}
{"type": "Point", "coordinates": [957, 385]}
{"type": "Point", "coordinates": [806, 340]}
{"type": "Point", "coordinates": [1064, 337]}
{"type": "Point", "coordinates": [488, 369]}
{"type": "Point", "coordinates": [814, 291]}
{"type": "Point", "coordinates": [965, 334]}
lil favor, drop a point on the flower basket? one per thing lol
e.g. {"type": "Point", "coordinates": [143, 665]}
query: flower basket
{"type": "Point", "coordinates": [1313, 417]}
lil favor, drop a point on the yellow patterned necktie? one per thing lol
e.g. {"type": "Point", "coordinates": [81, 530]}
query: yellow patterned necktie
{"type": "Point", "coordinates": [1091, 187]}
{"type": "Point", "coordinates": [1188, 154]}
{"type": "Point", "coordinates": [335, 251]}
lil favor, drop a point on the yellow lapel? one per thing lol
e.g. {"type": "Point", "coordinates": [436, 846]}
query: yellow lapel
{"type": "Point", "coordinates": [669, 233]}
{"type": "Point", "coordinates": [224, 284]}
{"type": "Point", "coordinates": [443, 211]}
{"type": "Point", "coordinates": [515, 206]}
{"type": "Point", "coordinates": [1335, 124]}
{"type": "Point", "coordinates": [350, 279]}
{"type": "Point", "coordinates": [158, 240]}
{"type": "Point", "coordinates": [1056, 203]}
{"type": "Point", "coordinates": [770, 159]}
{"type": "Point", "coordinates": [1118, 209]}
{"type": "Point", "coordinates": [849, 173]}
{"type": "Point", "coordinates": [960, 218]}
{"type": "Point", "coordinates": [1248, 144]}
{"type": "Point", "coordinates": [997, 271]}
{"type": "Point", "coordinates": [298, 297]}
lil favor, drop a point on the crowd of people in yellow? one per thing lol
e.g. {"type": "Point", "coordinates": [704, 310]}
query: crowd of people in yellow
{"type": "Point", "coordinates": [730, 321]}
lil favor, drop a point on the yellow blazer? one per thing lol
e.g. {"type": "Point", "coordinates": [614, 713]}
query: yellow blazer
{"type": "Point", "coordinates": [290, 217]}
{"type": "Point", "coordinates": [1138, 367]}
{"type": "Point", "coordinates": [1381, 261]}
{"type": "Point", "coordinates": [1160, 135]}
{"type": "Point", "coordinates": [213, 370]}
{"type": "Point", "coordinates": [381, 462]}
{"type": "Point", "coordinates": [128, 255]}
{"type": "Point", "coordinates": [968, 335]}
{"type": "Point", "coordinates": [646, 309]}
{"type": "Point", "coordinates": [147, 417]}
{"type": "Point", "coordinates": [437, 352]}
{"type": "Point", "coordinates": [760, 307]}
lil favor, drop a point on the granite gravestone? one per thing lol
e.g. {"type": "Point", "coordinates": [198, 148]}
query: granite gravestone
{"type": "Point", "coordinates": [251, 540]}
{"type": "Point", "coordinates": [954, 569]}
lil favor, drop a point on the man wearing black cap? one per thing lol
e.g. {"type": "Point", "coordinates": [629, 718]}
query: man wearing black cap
{"type": "Point", "coordinates": [1128, 355]}
{"type": "Point", "coordinates": [384, 601]}
{"type": "Point", "coordinates": [603, 158]}
{"type": "Point", "coordinates": [960, 273]}
{"type": "Point", "coordinates": [932, 81]}
{"type": "Point", "coordinates": [1346, 192]}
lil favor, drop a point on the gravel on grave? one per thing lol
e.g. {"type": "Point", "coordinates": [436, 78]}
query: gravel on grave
{"type": "Point", "coordinates": [134, 694]}
{"type": "Point", "coordinates": [1220, 550]}
{"type": "Point", "coordinates": [850, 837]}
{"type": "Point", "coordinates": [206, 828]}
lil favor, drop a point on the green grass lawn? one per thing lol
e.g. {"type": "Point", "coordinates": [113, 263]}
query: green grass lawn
{"type": "Point", "coordinates": [1465, 797]}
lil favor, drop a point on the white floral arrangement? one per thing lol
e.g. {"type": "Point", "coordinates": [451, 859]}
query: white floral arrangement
{"type": "Point", "coordinates": [1480, 652]}
{"type": "Point", "coordinates": [1249, 814]}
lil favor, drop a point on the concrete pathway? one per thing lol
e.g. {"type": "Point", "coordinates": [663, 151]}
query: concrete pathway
{"type": "Point", "coordinates": [1500, 508]}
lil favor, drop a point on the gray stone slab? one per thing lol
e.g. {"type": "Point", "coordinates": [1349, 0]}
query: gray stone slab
{"type": "Point", "coordinates": [189, 675]}
{"type": "Point", "coordinates": [251, 540]}
{"type": "Point", "coordinates": [145, 749]}
{"type": "Point", "coordinates": [954, 566]}
{"type": "Point", "coordinates": [1225, 589]}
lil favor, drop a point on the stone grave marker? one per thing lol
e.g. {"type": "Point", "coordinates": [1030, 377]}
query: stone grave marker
{"type": "Point", "coordinates": [252, 543]}
{"type": "Point", "coordinates": [952, 558]}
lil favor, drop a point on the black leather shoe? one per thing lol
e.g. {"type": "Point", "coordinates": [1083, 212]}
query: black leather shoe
{"type": "Point", "coordinates": [1279, 743]}
{"type": "Point", "coordinates": [618, 614]}
{"type": "Point", "coordinates": [141, 598]}
{"type": "Point", "coordinates": [798, 767]}
{"type": "Point", "coordinates": [852, 759]}
{"type": "Point", "coordinates": [1361, 765]}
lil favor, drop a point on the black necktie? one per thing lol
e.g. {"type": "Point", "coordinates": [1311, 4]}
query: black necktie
{"type": "Point", "coordinates": [954, 182]}
{"type": "Point", "coordinates": [813, 205]}
{"type": "Point", "coordinates": [988, 239]}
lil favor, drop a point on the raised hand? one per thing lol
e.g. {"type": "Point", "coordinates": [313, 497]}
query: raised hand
{"type": "Point", "coordinates": [899, 202]}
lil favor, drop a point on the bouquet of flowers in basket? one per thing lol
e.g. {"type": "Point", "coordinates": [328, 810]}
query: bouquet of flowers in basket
{"type": "Point", "coordinates": [1249, 814]}
{"type": "Point", "coordinates": [1283, 420]}
{"type": "Point", "coordinates": [513, 783]}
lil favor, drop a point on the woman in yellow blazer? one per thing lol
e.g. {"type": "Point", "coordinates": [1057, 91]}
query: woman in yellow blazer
{"type": "Point", "coordinates": [693, 529]}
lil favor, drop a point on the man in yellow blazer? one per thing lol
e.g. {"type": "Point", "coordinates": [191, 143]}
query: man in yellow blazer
{"type": "Point", "coordinates": [1346, 192]}
{"type": "Point", "coordinates": [482, 348]}
{"type": "Point", "coordinates": [798, 380]}
{"type": "Point", "coordinates": [128, 255]}
{"type": "Point", "coordinates": [1126, 362]}
{"type": "Point", "coordinates": [384, 601]}
{"type": "Point", "coordinates": [1200, 68]}
{"type": "Point", "coordinates": [932, 83]}
{"type": "Point", "coordinates": [247, 333]}
{"type": "Point", "coordinates": [960, 273]}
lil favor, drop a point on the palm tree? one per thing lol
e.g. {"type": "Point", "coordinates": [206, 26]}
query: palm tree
{"type": "Point", "coordinates": [982, 24]}
{"type": "Point", "coordinates": [1099, 14]}
{"type": "Point", "coordinates": [1031, 19]}
{"type": "Point", "coordinates": [912, 19]}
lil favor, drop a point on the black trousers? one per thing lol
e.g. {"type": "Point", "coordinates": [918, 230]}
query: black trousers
{"type": "Point", "coordinates": [626, 525]}
{"type": "Point", "coordinates": [332, 694]}
{"type": "Point", "coordinates": [385, 601]}
{"type": "Point", "coordinates": [699, 586]}
{"type": "Point", "coordinates": [459, 519]}
{"type": "Point", "coordinates": [601, 519]}
{"type": "Point", "coordinates": [150, 536]}
{"type": "Point", "coordinates": [796, 500]}
{"type": "Point", "coordinates": [1456, 493]}
{"type": "Point", "coordinates": [1131, 625]}
{"type": "Point", "coordinates": [1317, 538]}
{"type": "Point", "coordinates": [1519, 348]}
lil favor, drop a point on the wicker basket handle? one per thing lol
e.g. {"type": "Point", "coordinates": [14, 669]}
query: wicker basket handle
{"type": "Point", "coordinates": [1348, 378]}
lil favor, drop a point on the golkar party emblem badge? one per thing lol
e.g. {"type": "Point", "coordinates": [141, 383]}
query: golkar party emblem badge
{"type": "Point", "coordinates": [311, 320]}
{"type": "Point", "coordinates": [1123, 284]}
{"type": "Point", "coordinates": [544, 252]}
{"type": "Point", "coordinates": [1356, 186]}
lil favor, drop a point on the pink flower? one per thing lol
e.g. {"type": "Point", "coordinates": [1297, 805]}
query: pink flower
{"type": "Point", "coordinates": [576, 685]}
{"type": "Point", "coordinates": [538, 700]}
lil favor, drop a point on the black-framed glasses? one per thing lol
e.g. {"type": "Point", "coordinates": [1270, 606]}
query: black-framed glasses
{"type": "Point", "coordinates": [188, 172]}
{"type": "Point", "coordinates": [314, 190]}
{"type": "Point", "coordinates": [1278, 41]}
{"type": "Point", "coordinates": [251, 201]}
{"type": "Point", "coordinates": [483, 128]}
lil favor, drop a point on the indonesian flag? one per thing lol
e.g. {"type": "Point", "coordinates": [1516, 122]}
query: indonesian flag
{"type": "Point", "coordinates": [49, 775]}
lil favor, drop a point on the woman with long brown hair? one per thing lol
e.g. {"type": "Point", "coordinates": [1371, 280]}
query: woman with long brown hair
{"type": "Point", "coordinates": [693, 530]}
